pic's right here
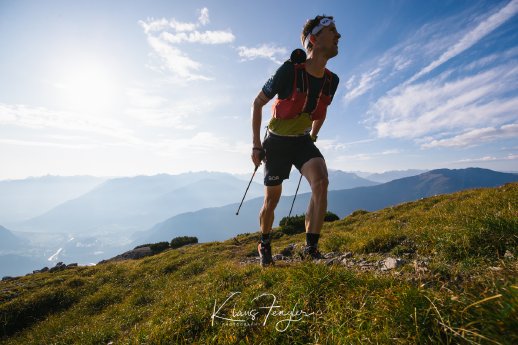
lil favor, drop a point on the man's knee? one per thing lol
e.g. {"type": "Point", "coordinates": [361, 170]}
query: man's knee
{"type": "Point", "coordinates": [320, 185]}
{"type": "Point", "coordinates": [270, 203]}
{"type": "Point", "coordinates": [271, 199]}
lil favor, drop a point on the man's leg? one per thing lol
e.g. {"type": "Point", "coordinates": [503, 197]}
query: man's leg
{"type": "Point", "coordinates": [271, 199]}
{"type": "Point", "coordinates": [315, 171]}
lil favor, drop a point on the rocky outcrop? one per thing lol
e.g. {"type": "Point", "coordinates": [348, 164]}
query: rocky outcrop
{"type": "Point", "coordinates": [133, 254]}
{"type": "Point", "coordinates": [60, 266]}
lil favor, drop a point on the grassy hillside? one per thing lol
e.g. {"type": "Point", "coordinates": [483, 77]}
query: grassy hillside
{"type": "Point", "coordinates": [456, 282]}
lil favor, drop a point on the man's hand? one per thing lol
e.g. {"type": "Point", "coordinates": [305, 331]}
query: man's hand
{"type": "Point", "coordinates": [258, 156]}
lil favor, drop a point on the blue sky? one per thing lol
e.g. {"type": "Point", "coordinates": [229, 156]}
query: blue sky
{"type": "Point", "coordinates": [121, 88]}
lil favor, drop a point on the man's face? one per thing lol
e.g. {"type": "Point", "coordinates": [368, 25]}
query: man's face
{"type": "Point", "coordinates": [327, 41]}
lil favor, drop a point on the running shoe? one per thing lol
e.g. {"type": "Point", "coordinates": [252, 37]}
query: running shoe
{"type": "Point", "coordinates": [311, 253]}
{"type": "Point", "coordinates": [265, 254]}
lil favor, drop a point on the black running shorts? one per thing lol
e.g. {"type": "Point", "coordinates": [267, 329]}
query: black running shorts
{"type": "Point", "coordinates": [283, 152]}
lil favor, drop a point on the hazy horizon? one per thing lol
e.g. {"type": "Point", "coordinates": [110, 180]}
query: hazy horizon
{"type": "Point", "coordinates": [242, 173]}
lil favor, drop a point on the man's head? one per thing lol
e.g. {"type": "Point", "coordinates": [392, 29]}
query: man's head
{"type": "Point", "coordinates": [320, 34]}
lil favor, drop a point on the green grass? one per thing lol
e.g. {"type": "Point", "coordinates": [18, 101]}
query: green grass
{"type": "Point", "coordinates": [468, 294]}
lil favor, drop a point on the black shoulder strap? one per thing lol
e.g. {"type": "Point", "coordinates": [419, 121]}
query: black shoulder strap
{"type": "Point", "coordinates": [328, 82]}
{"type": "Point", "coordinates": [301, 80]}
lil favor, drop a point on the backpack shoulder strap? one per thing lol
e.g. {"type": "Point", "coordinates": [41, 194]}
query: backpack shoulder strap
{"type": "Point", "coordinates": [328, 82]}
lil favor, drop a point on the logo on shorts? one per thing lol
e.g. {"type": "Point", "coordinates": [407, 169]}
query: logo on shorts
{"type": "Point", "coordinates": [273, 178]}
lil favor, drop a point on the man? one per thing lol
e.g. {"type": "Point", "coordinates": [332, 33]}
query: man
{"type": "Point", "coordinates": [304, 91]}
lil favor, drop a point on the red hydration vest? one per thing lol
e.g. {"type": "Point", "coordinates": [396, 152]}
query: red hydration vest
{"type": "Point", "coordinates": [291, 107]}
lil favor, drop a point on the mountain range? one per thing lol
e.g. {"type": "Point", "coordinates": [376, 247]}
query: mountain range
{"type": "Point", "coordinates": [14, 258]}
{"type": "Point", "coordinates": [23, 199]}
{"type": "Point", "coordinates": [8, 240]}
{"type": "Point", "coordinates": [133, 203]}
{"type": "Point", "coordinates": [100, 222]}
{"type": "Point", "coordinates": [136, 203]}
{"type": "Point", "coordinates": [120, 213]}
{"type": "Point", "coordinates": [388, 176]}
{"type": "Point", "coordinates": [221, 223]}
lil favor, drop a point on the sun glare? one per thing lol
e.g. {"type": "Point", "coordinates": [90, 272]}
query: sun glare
{"type": "Point", "coordinates": [88, 86]}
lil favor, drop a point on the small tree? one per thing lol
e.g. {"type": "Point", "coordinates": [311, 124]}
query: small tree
{"type": "Point", "coordinates": [331, 217]}
{"type": "Point", "coordinates": [293, 225]}
{"type": "Point", "coordinates": [178, 242]}
{"type": "Point", "coordinates": [297, 224]}
{"type": "Point", "coordinates": [159, 247]}
{"type": "Point", "coordinates": [155, 247]}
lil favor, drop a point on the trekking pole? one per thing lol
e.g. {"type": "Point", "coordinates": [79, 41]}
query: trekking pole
{"type": "Point", "coordinates": [293, 202]}
{"type": "Point", "coordinates": [262, 156]}
{"type": "Point", "coordinates": [249, 183]}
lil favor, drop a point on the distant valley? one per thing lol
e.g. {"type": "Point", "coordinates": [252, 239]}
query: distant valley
{"type": "Point", "coordinates": [116, 214]}
{"type": "Point", "coordinates": [86, 219]}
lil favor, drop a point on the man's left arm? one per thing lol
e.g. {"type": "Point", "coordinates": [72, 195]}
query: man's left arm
{"type": "Point", "coordinates": [315, 128]}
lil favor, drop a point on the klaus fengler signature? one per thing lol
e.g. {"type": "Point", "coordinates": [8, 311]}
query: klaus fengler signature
{"type": "Point", "coordinates": [253, 315]}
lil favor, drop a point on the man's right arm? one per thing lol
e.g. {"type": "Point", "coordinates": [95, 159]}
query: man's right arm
{"type": "Point", "coordinates": [257, 114]}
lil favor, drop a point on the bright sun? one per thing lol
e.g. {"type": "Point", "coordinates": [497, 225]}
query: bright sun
{"type": "Point", "coordinates": [88, 86]}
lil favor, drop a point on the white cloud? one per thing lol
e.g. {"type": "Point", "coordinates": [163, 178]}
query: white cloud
{"type": "Point", "coordinates": [481, 63]}
{"type": "Point", "coordinates": [142, 98]}
{"type": "Point", "coordinates": [183, 115]}
{"type": "Point", "coordinates": [330, 145]}
{"type": "Point", "coordinates": [164, 44]}
{"type": "Point", "coordinates": [203, 19]}
{"type": "Point", "coordinates": [509, 157]}
{"type": "Point", "coordinates": [472, 37]}
{"type": "Point", "coordinates": [496, 58]}
{"type": "Point", "coordinates": [476, 137]}
{"type": "Point", "coordinates": [462, 106]}
{"type": "Point", "coordinates": [207, 37]}
{"type": "Point", "coordinates": [35, 128]}
{"type": "Point", "coordinates": [41, 118]}
{"type": "Point", "coordinates": [152, 107]}
{"type": "Point", "coordinates": [366, 156]}
{"type": "Point", "coordinates": [175, 61]}
{"type": "Point", "coordinates": [18, 142]}
{"type": "Point", "coordinates": [152, 25]}
{"type": "Point", "coordinates": [430, 46]}
{"type": "Point", "coordinates": [364, 84]}
{"type": "Point", "coordinates": [265, 51]}
{"type": "Point", "coordinates": [202, 145]}
{"type": "Point", "coordinates": [390, 152]}
{"type": "Point", "coordinates": [439, 107]}
{"type": "Point", "coordinates": [161, 118]}
{"type": "Point", "coordinates": [397, 60]}
{"type": "Point", "coordinates": [181, 26]}
{"type": "Point", "coordinates": [401, 63]}
{"type": "Point", "coordinates": [155, 25]}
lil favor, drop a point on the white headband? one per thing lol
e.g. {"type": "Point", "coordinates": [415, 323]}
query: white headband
{"type": "Point", "coordinates": [323, 23]}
